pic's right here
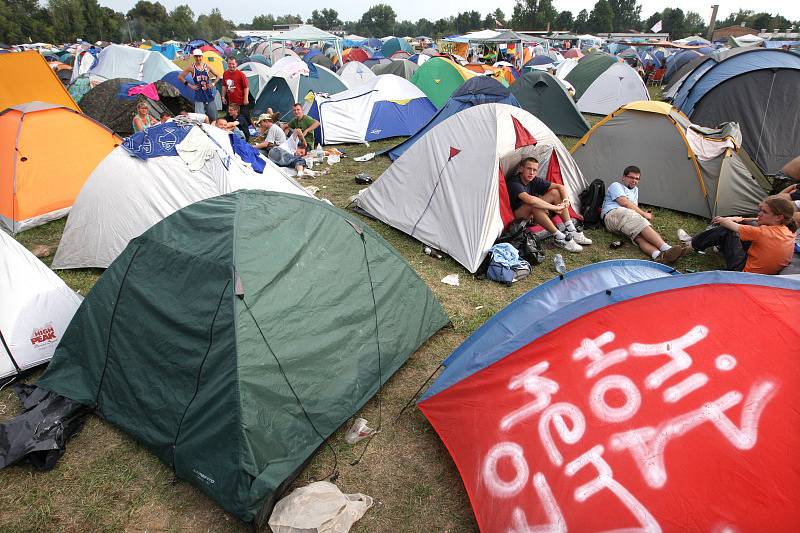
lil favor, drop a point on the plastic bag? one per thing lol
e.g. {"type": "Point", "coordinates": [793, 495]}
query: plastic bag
{"type": "Point", "coordinates": [318, 508]}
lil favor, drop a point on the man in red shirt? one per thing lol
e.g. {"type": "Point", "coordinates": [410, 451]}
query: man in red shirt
{"type": "Point", "coordinates": [235, 89]}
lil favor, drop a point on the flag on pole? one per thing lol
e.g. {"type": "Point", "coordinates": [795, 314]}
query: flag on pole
{"type": "Point", "coordinates": [656, 27]}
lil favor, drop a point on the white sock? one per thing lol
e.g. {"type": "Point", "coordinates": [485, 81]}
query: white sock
{"type": "Point", "coordinates": [655, 254]}
{"type": "Point", "coordinates": [559, 236]}
{"type": "Point", "coordinates": [665, 247]}
{"type": "Point", "coordinates": [570, 226]}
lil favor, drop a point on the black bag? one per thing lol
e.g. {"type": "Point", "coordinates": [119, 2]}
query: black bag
{"type": "Point", "coordinates": [779, 182]}
{"type": "Point", "coordinates": [591, 199]}
{"type": "Point", "coordinates": [525, 241]}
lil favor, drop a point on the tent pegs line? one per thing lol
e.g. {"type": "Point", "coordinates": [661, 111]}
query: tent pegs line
{"type": "Point", "coordinates": [416, 394]}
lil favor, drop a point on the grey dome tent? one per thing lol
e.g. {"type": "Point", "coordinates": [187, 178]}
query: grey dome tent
{"type": "Point", "coordinates": [546, 98]}
{"type": "Point", "coordinates": [236, 335]}
{"type": "Point", "coordinates": [684, 167]}
{"type": "Point", "coordinates": [399, 67]}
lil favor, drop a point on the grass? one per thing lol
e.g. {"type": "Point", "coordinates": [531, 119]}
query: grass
{"type": "Point", "coordinates": [107, 482]}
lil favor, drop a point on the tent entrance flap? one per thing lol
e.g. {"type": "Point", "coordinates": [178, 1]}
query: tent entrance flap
{"type": "Point", "coordinates": [158, 388]}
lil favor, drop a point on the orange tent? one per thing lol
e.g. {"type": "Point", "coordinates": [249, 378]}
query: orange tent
{"type": "Point", "coordinates": [26, 76]}
{"type": "Point", "coordinates": [501, 74]}
{"type": "Point", "coordinates": [45, 160]}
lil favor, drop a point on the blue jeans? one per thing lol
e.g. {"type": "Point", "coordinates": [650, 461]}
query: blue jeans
{"type": "Point", "coordinates": [207, 108]}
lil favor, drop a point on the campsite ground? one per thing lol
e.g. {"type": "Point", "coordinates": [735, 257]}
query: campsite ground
{"type": "Point", "coordinates": [107, 482]}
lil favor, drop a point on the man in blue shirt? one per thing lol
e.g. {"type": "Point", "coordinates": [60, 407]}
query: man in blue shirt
{"type": "Point", "coordinates": [533, 198]}
{"type": "Point", "coordinates": [621, 214]}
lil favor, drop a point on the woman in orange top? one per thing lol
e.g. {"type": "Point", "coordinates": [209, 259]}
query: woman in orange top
{"type": "Point", "coordinates": [763, 249]}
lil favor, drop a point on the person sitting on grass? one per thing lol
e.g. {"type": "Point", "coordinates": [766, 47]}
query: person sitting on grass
{"type": "Point", "coordinates": [763, 249]}
{"type": "Point", "coordinates": [534, 199]}
{"type": "Point", "coordinates": [269, 133]}
{"type": "Point", "coordinates": [621, 214]}
{"type": "Point", "coordinates": [291, 154]}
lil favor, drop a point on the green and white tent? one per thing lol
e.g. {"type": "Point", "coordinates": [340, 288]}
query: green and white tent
{"type": "Point", "coordinates": [238, 333]}
{"type": "Point", "coordinates": [604, 82]}
{"type": "Point", "coordinates": [545, 97]}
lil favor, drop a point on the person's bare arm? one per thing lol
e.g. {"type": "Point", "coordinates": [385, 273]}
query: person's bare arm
{"type": "Point", "coordinates": [790, 189]}
{"type": "Point", "coordinates": [792, 168]}
{"type": "Point", "coordinates": [731, 223]}
{"type": "Point", "coordinates": [182, 78]}
{"type": "Point", "coordinates": [537, 202]}
{"type": "Point", "coordinates": [625, 202]}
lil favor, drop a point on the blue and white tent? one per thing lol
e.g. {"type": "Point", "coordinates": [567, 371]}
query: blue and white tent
{"type": "Point", "coordinates": [475, 91]}
{"type": "Point", "coordinates": [386, 106]}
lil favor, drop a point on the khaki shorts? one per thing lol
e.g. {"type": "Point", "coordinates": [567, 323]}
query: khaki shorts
{"type": "Point", "coordinates": [625, 222]}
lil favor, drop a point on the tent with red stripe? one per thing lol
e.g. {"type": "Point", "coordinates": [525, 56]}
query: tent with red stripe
{"type": "Point", "coordinates": [448, 189]}
{"type": "Point", "coordinates": [666, 404]}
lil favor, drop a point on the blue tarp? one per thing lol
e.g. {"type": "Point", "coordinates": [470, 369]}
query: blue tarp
{"type": "Point", "coordinates": [474, 91]}
{"type": "Point", "coordinates": [156, 141]}
{"type": "Point", "coordinates": [247, 153]}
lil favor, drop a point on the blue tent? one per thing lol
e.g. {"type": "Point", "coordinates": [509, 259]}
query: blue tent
{"type": "Point", "coordinates": [540, 59]}
{"type": "Point", "coordinates": [676, 61]}
{"type": "Point", "coordinates": [375, 43]}
{"type": "Point", "coordinates": [474, 91]}
{"type": "Point", "coordinates": [713, 74]}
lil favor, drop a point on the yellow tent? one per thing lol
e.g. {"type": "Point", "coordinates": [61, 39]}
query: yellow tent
{"type": "Point", "coordinates": [212, 59]}
{"type": "Point", "coordinates": [26, 77]}
{"type": "Point", "coordinates": [45, 160]}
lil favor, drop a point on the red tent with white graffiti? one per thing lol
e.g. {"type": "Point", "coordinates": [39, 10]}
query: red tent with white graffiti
{"type": "Point", "coordinates": [668, 404]}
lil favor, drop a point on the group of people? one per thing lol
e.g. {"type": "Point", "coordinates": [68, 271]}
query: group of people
{"type": "Point", "coordinates": [763, 244]}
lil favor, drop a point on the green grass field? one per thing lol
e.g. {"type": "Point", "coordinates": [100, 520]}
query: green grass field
{"type": "Point", "coordinates": [107, 482]}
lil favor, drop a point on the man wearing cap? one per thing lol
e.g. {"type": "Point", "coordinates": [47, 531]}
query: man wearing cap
{"type": "Point", "coordinates": [269, 133]}
{"type": "Point", "coordinates": [203, 85]}
{"type": "Point", "coordinates": [235, 89]}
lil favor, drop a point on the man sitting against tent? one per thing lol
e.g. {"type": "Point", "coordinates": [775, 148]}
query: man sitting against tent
{"type": "Point", "coordinates": [621, 214]}
{"type": "Point", "coordinates": [533, 198]}
{"type": "Point", "coordinates": [302, 125]}
{"type": "Point", "coordinates": [241, 122]}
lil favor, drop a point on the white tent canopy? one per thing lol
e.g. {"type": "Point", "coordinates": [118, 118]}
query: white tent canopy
{"type": "Point", "coordinates": [119, 61]}
{"type": "Point", "coordinates": [36, 309]}
{"type": "Point", "coordinates": [445, 190]}
{"type": "Point", "coordinates": [355, 73]}
{"type": "Point", "coordinates": [125, 195]}
{"type": "Point", "coordinates": [616, 86]}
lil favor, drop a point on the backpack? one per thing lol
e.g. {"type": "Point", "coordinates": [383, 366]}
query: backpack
{"type": "Point", "coordinates": [591, 199]}
{"type": "Point", "coordinates": [529, 245]}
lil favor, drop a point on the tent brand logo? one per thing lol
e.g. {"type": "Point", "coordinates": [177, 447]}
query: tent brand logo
{"type": "Point", "coordinates": [202, 477]}
{"type": "Point", "coordinates": [43, 336]}
{"type": "Point", "coordinates": [376, 131]}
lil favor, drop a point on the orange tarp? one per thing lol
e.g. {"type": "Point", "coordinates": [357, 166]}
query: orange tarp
{"type": "Point", "coordinates": [26, 77]}
{"type": "Point", "coordinates": [44, 161]}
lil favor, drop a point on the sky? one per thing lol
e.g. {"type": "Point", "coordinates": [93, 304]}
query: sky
{"type": "Point", "coordinates": [245, 10]}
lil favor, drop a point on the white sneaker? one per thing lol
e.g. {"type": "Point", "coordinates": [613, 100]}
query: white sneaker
{"type": "Point", "coordinates": [580, 238]}
{"type": "Point", "coordinates": [684, 237]}
{"type": "Point", "coordinates": [570, 245]}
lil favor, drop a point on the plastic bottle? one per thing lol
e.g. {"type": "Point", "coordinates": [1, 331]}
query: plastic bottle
{"type": "Point", "coordinates": [318, 153]}
{"type": "Point", "coordinates": [558, 262]}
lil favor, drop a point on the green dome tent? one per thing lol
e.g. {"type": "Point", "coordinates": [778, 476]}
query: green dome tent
{"type": "Point", "coordinates": [238, 333]}
{"type": "Point", "coordinates": [545, 97]}
{"type": "Point", "coordinates": [439, 77]}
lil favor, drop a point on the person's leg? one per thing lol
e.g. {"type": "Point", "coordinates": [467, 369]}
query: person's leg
{"type": "Point", "coordinates": [542, 217]}
{"type": "Point", "coordinates": [555, 195]}
{"type": "Point", "coordinates": [730, 246]}
{"type": "Point", "coordinates": [645, 246]}
{"type": "Point", "coordinates": [200, 108]}
{"type": "Point", "coordinates": [652, 238]}
{"type": "Point", "coordinates": [211, 110]}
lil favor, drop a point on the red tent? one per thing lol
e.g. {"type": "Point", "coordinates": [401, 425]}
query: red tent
{"type": "Point", "coordinates": [354, 54]}
{"type": "Point", "coordinates": [669, 404]}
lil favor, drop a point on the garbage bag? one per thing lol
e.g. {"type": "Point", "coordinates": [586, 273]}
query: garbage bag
{"type": "Point", "coordinates": [318, 508]}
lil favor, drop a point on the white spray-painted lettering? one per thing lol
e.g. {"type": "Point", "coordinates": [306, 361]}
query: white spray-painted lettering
{"type": "Point", "coordinates": [541, 388]}
{"type": "Point", "coordinates": [725, 362]}
{"type": "Point", "coordinates": [647, 444]}
{"type": "Point", "coordinates": [556, 414]}
{"type": "Point", "coordinates": [555, 524]}
{"type": "Point", "coordinates": [607, 413]}
{"type": "Point", "coordinates": [592, 349]}
{"type": "Point", "coordinates": [675, 349]}
{"type": "Point", "coordinates": [515, 454]}
{"type": "Point", "coordinates": [685, 387]}
{"type": "Point", "coordinates": [605, 480]}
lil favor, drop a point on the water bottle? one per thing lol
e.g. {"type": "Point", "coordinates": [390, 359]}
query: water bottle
{"type": "Point", "coordinates": [318, 153]}
{"type": "Point", "coordinates": [558, 262]}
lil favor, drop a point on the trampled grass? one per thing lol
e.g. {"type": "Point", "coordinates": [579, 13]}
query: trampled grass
{"type": "Point", "coordinates": [107, 482]}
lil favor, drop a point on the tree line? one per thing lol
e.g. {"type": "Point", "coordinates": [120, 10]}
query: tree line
{"type": "Point", "coordinates": [63, 21]}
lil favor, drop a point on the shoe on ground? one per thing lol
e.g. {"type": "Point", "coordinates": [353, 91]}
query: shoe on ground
{"type": "Point", "coordinates": [569, 245]}
{"type": "Point", "coordinates": [670, 256]}
{"type": "Point", "coordinates": [580, 238]}
{"type": "Point", "coordinates": [683, 236]}
{"type": "Point", "coordinates": [310, 173]}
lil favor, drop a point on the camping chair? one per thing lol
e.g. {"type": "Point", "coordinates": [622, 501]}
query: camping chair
{"type": "Point", "coordinates": [657, 78]}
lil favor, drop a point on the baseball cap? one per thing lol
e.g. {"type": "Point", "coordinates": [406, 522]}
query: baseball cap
{"type": "Point", "coordinates": [197, 52]}
{"type": "Point", "coordinates": [263, 116]}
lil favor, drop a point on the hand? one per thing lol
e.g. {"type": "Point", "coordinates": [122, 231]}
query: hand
{"type": "Point", "coordinates": [193, 86]}
{"type": "Point", "coordinates": [716, 220]}
{"type": "Point", "coordinates": [738, 220]}
{"type": "Point", "coordinates": [648, 215]}
{"type": "Point", "coordinates": [223, 100]}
